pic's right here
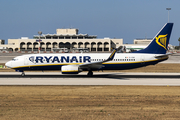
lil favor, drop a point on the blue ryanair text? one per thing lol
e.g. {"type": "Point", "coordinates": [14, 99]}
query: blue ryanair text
{"type": "Point", "coordinates": [60, 59]}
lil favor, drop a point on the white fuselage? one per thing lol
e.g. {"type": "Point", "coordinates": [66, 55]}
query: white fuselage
{"type": "Point", "coordinates": [55, 61]}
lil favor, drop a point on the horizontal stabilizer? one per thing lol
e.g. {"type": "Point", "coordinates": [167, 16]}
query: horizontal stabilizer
{"type": "Point", "coordinates": [162, 56]}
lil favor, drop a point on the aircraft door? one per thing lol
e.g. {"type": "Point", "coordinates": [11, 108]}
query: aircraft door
{"type": "Point", "coordinates": [26, 60]}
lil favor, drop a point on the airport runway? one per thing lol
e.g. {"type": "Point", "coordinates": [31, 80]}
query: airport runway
{"type": "Point", "coordinates": [99, 78]}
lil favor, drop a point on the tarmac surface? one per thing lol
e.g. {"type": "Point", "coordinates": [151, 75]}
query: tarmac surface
{"type": "Point", "coordinates": [99, 78]}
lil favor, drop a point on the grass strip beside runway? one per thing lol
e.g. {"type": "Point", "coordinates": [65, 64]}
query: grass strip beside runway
{"type": "Point", "coordinates": [89, 102]}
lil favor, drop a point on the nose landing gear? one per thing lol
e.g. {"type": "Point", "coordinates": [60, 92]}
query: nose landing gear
{"type": "Point", "coordinates": [23, 74]}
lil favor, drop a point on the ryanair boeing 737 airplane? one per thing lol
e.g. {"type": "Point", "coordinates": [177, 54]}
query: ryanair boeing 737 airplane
{"type": "Point", "coordinates": [74, 63]}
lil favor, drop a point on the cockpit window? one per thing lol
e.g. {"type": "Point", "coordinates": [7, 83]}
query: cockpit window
{"type": "Point", "coordinates": [14, 59]}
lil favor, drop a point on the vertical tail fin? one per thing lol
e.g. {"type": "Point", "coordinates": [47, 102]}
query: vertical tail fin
{"type": "Point", "coordinates": [160, 42]}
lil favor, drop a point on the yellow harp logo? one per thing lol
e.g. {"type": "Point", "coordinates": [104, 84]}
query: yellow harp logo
{"type": "Point", "coordinates": [161, 40]}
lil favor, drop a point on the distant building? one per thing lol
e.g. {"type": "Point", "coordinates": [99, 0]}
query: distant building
{"type": "Point", "coordinates": [64, 38]}
{"type": "Point", "coordinates": [2, 48]}
{"type": "Point", "coordinates": [138, 45]}
{"type": "Point", "coordinates": [145, 41]}
{"type": "Point", "coordinates": [2, 42]}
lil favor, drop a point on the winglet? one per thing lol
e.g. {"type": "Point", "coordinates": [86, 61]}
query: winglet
{"type": "Point", "coordinates": [111, 57]}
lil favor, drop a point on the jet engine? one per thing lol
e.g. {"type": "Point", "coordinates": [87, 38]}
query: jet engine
{"type": "Point", "coordinates": [70, 69]}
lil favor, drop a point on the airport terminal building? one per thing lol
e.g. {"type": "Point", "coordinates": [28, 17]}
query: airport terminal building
{"type": "Point", "coordinates": [64, 39]}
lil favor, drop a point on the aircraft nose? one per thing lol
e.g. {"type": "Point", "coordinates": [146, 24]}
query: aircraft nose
{"type": "Point", "coordinates": [8, 64]}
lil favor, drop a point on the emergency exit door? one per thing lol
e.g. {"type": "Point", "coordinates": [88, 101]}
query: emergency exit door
{"type": "Point", "coordinates": [26, 60]}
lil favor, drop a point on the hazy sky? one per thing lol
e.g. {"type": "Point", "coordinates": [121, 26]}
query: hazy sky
{"type": "Point", "coordinates": [127, 19]}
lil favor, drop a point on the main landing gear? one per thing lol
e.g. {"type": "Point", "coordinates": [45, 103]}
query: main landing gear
{"type": "Point", "coordinates": [90, 73]}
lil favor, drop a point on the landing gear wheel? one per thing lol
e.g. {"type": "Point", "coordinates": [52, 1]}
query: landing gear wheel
{"type": "Point", "coordinates": [90, 73]}
{"type": "Point", "coordinates": [23, 74]}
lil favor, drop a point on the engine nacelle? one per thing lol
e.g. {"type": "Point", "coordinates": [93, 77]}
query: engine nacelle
{"type": "Point", "coordinates": [70, 69]}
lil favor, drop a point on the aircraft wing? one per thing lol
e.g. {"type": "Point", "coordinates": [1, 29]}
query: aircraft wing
{"type": "Point", "coordinates": [98, 65]}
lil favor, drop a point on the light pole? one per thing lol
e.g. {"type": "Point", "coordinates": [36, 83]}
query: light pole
{"type": "Point", "coordinates": [40, 33]}
{"type": "Point", "coordinates": [168, 12]}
